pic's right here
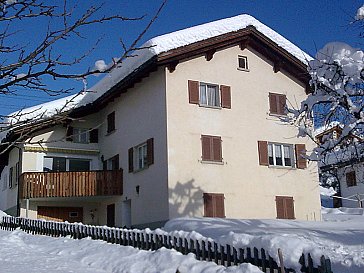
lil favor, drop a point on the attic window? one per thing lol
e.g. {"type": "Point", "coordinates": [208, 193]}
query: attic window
{"type": "Point", "coordinates": [243, 63]}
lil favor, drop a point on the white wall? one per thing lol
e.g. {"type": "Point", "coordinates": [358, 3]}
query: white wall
{"type": "Point", "coordinates": [348, 192]}
{"type": "Point", "coordinates": [8, 196]}
{"type": "Point", "coordinates": [249, 188]}
{"type": "Point", "coordinates": [140, 114]}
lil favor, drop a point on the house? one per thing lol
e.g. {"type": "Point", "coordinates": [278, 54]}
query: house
{"type": "Point", "coordinates": [192, 126]}
{"type": "Point", "coordinates": [343, 167]}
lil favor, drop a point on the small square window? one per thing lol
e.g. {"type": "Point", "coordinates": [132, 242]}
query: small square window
{"type": "Point", "coordinates": [73, 214]}
{"type": "Point", "coordinates": [243, 63]}
{"type": "Point", "coordinates": [209, 95]}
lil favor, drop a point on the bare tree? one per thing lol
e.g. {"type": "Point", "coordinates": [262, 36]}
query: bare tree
{"type": "Point", "coordinates": [31, 65]}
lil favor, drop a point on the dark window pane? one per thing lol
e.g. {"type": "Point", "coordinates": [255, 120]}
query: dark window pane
{"type": "Point", "coordinates": [59, 164]}
{"type": "Point", "coordinates": [279, 161]}
{"type": "Point", "coordinates": [271, 162]}
{"type": "Point", "coordinates": [287, 162]}
{"type": "Point", "coordinates": [79, 165]}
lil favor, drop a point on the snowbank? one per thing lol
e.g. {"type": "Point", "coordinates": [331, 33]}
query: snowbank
{"type": "Point", "coordinates": [2, 214]}
{"type": "Point", "coordinates": [340, 236]}
{"type": "Point", "coordinates": [21, 252]}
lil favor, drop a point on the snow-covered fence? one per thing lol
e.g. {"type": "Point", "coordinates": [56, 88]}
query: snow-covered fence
{"type": "Point", "coordinates": [203, 248]}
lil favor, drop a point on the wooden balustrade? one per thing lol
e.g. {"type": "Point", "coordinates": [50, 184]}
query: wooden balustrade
{"type": "Point", "coordinates": [70, 184]}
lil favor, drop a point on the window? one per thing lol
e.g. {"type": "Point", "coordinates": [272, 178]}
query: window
{"type": "Point", "coordinates": [81, 135]}
{"type": "Point", "coordinates": [62, 164]}
{"type": "Point", "coordinates": [78, 165]}
{"type": "Point", "coordinates": [209, 95]}
{"type": "Point", "coordinates": [280, 154]}
{"type": "Point", "coordinates": [214, 205]}
{"type": "Point", "coordinates": [243, 63]}
{"type": "Point", "coordinates": [211, 148]}
{"type": "Point", "coordinates": [285, 207]}
{"type": "Point", "coordinates": [112, 163]}
{"type": "Point", "coordinates": [111, 122]}
{"type": "Point", "coordinates": [277, 104]}
{"type": "Point", "coordinates": [73, 214]}
{"type": "Point", "coordinates": [351, 179]}
{"type": "Point", "coordinates": [141, 156]}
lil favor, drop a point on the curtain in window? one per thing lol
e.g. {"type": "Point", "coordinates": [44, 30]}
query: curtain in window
{"type": "Point", "coordinates": [287, 155]}
{"type": "Point", "coordinates": [212, 96]}
{"type": "Point", "coordinates": [203, 98]}
{"type": "Point", "coordinates": [278, 154]}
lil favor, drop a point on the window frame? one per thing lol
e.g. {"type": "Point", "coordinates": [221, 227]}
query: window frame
{"type": "Point", "coordinates": [278, 99]}
{"type": "Point", "coordinates": [273, 162]}
{"type": "Point", "coordinates": [141, 159]}
{"type": "Point", "coordinates": [217, 92]}
{"type": "Point", "coordinates": [245, 58]}
{"type": "Point", "coordinates": [67, 163]}
{"type": "Point", "coordinates": [78, 132]}
{"type": "Point", "coordinates": [213, 158]}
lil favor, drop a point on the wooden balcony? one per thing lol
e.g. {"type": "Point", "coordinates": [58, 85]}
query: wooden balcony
{"type": "Point", "coordinates": [71, 184]}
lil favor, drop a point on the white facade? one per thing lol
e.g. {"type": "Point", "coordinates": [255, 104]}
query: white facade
{"type": "Point", "coordinates": [157, 108]}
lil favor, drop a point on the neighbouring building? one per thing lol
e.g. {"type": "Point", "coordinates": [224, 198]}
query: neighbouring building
{"type": "Point", "coordinates": [192, 126]}
{"type": "Point", "coordinates": [343, 166]}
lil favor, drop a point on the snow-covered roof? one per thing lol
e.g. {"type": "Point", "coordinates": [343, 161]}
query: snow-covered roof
{"type": "Point", "coordinates": [154, 47]}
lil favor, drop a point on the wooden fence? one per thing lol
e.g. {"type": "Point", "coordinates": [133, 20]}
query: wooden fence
{"type": "Point", "coordinates": [204, 249]}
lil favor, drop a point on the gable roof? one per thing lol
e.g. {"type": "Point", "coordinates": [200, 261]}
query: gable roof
{"type": "Point", "coordinates": [169, 49]}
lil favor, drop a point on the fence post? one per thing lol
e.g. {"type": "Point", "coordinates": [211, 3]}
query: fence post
{"type": "Point", "coordinates": [281, 264]}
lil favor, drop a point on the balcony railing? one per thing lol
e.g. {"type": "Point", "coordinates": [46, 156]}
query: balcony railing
{"type": "Point", "coordinates": [71, 184]}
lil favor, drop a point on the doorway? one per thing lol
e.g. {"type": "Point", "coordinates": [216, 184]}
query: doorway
{"type": "Point", "coordinates": [110, 215]}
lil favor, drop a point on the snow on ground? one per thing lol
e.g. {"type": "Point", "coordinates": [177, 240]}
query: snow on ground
{"type": "Point", "coordinates": [21, 252]}
{"type": "Point", "coordinates": [340, 236]}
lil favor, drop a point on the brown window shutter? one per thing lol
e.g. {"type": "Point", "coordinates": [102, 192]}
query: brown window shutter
{"type": "Point", "coordinates": [131, 160]}
{"type": "Point", "coordinates": [225, 96]}
{"type": "Point", "coordinates": [300, 156]}
{"type": "Point", "coordinates": [206, 147]}
{"type": "Point", "coordinates": [111, 122]}
{"type": "Point", "coordinates": [208, 205]}
{"type": "Point", "coordinates": [150, 151]}
{"type": "Point", "coordinates": [263, 153]}
{"type": "Point", "coordinates": [94, 136]}
{"type": "Point", "coordinates": [280, 207]}
{"type": "Point", "coordinates": [273, 103]}
{"type": "Point", "coordinates": [281, 104]}
{"type": "Point", "coordinates": [289, 207]}
{"type": "Point", "coordinates": [69, 133]}
{"type": "Point", "coordinates": [219, 205]}
{"type": "Point", "coordinates": [216, 149]}
{"type": "Point", "coordinates": [193, 92]}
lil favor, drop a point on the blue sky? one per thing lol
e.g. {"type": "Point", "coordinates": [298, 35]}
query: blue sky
{"type": "Point", "coordinates": [309, 24]}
